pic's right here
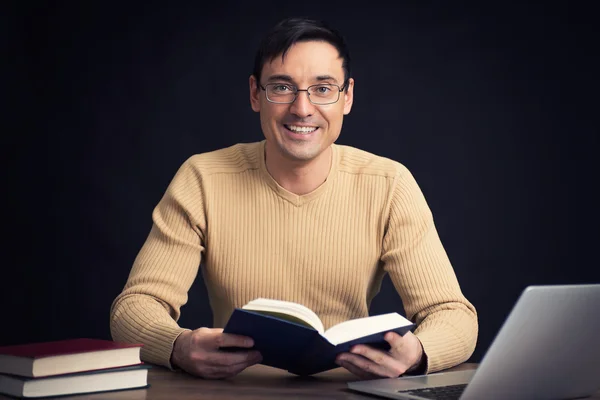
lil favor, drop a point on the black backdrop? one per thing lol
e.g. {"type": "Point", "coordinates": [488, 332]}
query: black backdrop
{"type": "Point", "coordinates": [493, 108]}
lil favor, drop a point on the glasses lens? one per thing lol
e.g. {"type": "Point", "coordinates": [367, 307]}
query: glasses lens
{"type": "Point", "coordinates": [324, 94]}
{"type": "Point", "coordinates": [281, 93]}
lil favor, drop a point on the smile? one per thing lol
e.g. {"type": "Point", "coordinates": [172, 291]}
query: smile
{"type": "Point", "coordinates": [303, 130]}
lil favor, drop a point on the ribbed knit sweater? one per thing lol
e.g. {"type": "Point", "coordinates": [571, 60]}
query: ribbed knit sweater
{"type": "Point", "coordinates": [328, 250]}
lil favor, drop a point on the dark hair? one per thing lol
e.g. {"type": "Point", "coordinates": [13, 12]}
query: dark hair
{"type": "Point", "coordinates": [293, 30]}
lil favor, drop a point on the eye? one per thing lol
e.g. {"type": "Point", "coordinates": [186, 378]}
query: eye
{"type": "Point", "coordinates": [323, 89]}
{"type": "Point", "coordinates": [281, 88]}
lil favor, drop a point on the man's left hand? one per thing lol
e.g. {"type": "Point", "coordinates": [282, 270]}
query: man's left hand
{"type": "Point", "coordinates": [405, 355]}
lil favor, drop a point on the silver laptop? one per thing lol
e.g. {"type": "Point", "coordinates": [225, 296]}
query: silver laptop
{"type": "Point", "coordinates": [548, 348]}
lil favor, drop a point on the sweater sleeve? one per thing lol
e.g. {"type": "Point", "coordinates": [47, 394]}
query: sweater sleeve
{"type": "Point", "coordinates": [422, 274]}
{"type": "Point", "coordinates": [147, 309]}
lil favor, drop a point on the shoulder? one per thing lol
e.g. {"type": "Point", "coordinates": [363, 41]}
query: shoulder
{"type": "Point", "coordinates": [360, 162]}
{"type": "Point", "coordinates": [234, 159]}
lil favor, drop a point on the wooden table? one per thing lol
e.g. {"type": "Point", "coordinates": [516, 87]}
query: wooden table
{"type": "Point", "coordinates": [256, 382]}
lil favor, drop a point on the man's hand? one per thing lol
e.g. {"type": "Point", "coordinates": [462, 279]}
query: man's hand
{"type": "Point", "coordinates": [405, 355]}
{"type": "Point", "coordinates": [198, 352]}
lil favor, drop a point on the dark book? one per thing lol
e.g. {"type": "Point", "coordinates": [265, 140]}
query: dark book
{"type": "Point", "coordinates": [66, 356]}
{"type": "Point", "coordinates": [290, 336]}
{"type": "Point", "coordinates": [104, 380]}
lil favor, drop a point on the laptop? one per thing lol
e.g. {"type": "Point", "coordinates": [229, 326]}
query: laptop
{"type": "Point", "coordinates": [547, 348]}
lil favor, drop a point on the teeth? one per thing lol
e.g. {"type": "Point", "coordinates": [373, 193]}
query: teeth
{"type": "Point", "coordinates": [302, 129]}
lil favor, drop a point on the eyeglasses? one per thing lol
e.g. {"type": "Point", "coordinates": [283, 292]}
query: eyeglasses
{"type": "Point", "coordinates": [321, 94]}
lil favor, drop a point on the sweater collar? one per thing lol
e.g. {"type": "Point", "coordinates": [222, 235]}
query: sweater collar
{"type": "Point", "coordinates": [293, 198]}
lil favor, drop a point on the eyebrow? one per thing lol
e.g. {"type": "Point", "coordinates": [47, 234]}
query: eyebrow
{"type": "Point", "coordinates": [289, 79]}
{"type": "Point", "coordinates": [326, 78]}
{"type": "Point", "coordinates": [286, 78]}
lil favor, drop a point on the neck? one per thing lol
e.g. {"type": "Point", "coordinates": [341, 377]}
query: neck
{"type": "Point", "coordinates": [299, 177]}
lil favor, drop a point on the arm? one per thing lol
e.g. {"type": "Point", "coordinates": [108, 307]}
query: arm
{"type": "Point", "coordinates": [422, 274]}
{"type": "Point", "coordinates": [147, 309]}
{"type": "Point", "coordinates": [414, 257]}
{"type": "Point", "coordinates": [149, 306]}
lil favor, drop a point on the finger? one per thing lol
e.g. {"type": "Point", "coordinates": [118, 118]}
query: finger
{"type": "Point", "coordinates": [219, 339]}
{"type": "Point", "coordinates": [254, 358]}
{"type": "Point", "coordinates": [224, 358]}
{"type": "Point", "coordinates": [225, 371]}
{"type": "Point", "coordinates": [377, 356]}
{"type": "Point", "coordinates": [356, 370]}
{"type": "Point", "coordinates": [233, 369]}
{"type": "Point", "coordinates": [232, 340]}
{"type": "Point", "coordinates": [220, 372]}
{"type": "Point", "coordinates": [375, 361]}
{"type": "Point", "coordinates": [396, 341]}
{"type": "Point", "coordinates": [406, 349]}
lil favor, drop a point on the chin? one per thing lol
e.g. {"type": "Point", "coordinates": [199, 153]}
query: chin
{"type": "Point", "coordinates": [302, 154]}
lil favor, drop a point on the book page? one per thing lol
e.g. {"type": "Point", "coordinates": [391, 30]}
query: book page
{"type": "Point", "coordinates": [287, 310]}
{"type": "Point", "coordinates": [356, 328]}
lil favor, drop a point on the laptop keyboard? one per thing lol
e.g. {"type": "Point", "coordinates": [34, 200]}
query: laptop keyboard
{"type": "Point", "coordinates": [451, 392]}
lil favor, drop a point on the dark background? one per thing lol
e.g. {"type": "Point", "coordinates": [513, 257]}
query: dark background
{"type": "Point", "coordinates": [494, 108]}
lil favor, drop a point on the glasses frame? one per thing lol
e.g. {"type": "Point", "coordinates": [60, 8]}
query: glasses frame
{"type": "Point", "coordinates": [296, 90]}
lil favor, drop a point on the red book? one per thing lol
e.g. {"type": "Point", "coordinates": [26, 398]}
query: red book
{"type": "Point", "coordinates": [67, 356]}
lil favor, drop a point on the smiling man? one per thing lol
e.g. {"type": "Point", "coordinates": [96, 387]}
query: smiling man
{"type": "Point", "coordinates": [295, 217]}
{"type": "Point", "coordinates": [300, 125]}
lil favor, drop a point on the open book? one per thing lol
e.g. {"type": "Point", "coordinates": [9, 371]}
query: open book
{"type": "Point", "coordinates": [290, 336]}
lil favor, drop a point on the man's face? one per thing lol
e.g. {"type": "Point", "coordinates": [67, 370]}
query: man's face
{"type": "Point", "coordinates": [301, 131]}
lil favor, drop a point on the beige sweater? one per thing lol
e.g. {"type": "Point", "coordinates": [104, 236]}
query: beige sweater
{"type": "Point", "coordinates": [328, 250]}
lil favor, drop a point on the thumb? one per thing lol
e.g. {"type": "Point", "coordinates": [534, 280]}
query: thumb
{"type": "Point", "coordinates": [395, 341]}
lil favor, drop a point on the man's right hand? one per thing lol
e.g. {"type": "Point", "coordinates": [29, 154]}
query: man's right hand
{"type": "Point", "coordinates": [198, 352]}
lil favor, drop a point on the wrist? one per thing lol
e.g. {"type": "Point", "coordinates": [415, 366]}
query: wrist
{"type": "Point", "coordinates": [178, 348]}
{"type": "Point", "coordinates": [420, 366]}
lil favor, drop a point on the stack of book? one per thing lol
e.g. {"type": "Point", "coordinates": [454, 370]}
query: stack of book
{"type": "Point", "coordinates": [73, 366]}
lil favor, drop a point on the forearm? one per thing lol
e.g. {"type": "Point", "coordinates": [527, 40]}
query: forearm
{"type": "Point", "coordinates": [143, 319]}
{"type": "Point", "coordinates": [147, 309]}
{"type": "Point", "coordinates": [448, 336]}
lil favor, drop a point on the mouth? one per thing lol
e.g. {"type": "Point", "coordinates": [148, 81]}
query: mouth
{"type": "Point", "coordinates": [299, 131]}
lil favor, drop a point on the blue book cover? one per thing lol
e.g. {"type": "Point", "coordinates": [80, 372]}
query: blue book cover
{"type": "Point", "coordinates": [302, 350]}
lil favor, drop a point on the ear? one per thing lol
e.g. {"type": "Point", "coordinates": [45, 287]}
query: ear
{"type": "Point", "coordinates": [349, 97]}
{"type": "Point", "coordinates": [254, 94]}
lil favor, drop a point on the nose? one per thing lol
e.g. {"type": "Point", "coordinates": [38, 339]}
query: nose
{"type": "Point", "coordinates": [302, 107]}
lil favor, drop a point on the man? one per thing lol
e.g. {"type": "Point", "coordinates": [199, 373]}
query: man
{"type": "Point", "coordinates": [295, 217]}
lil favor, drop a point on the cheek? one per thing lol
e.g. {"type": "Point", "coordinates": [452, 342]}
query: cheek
{"type": "Point", "coordinates": [334, 117]}
{"type": "Point", "coordinates": [272, 114]}
{"type": "Point", "coordinates": [265, 123]}
{"type": "Point", "coordinates": [269, 118]}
